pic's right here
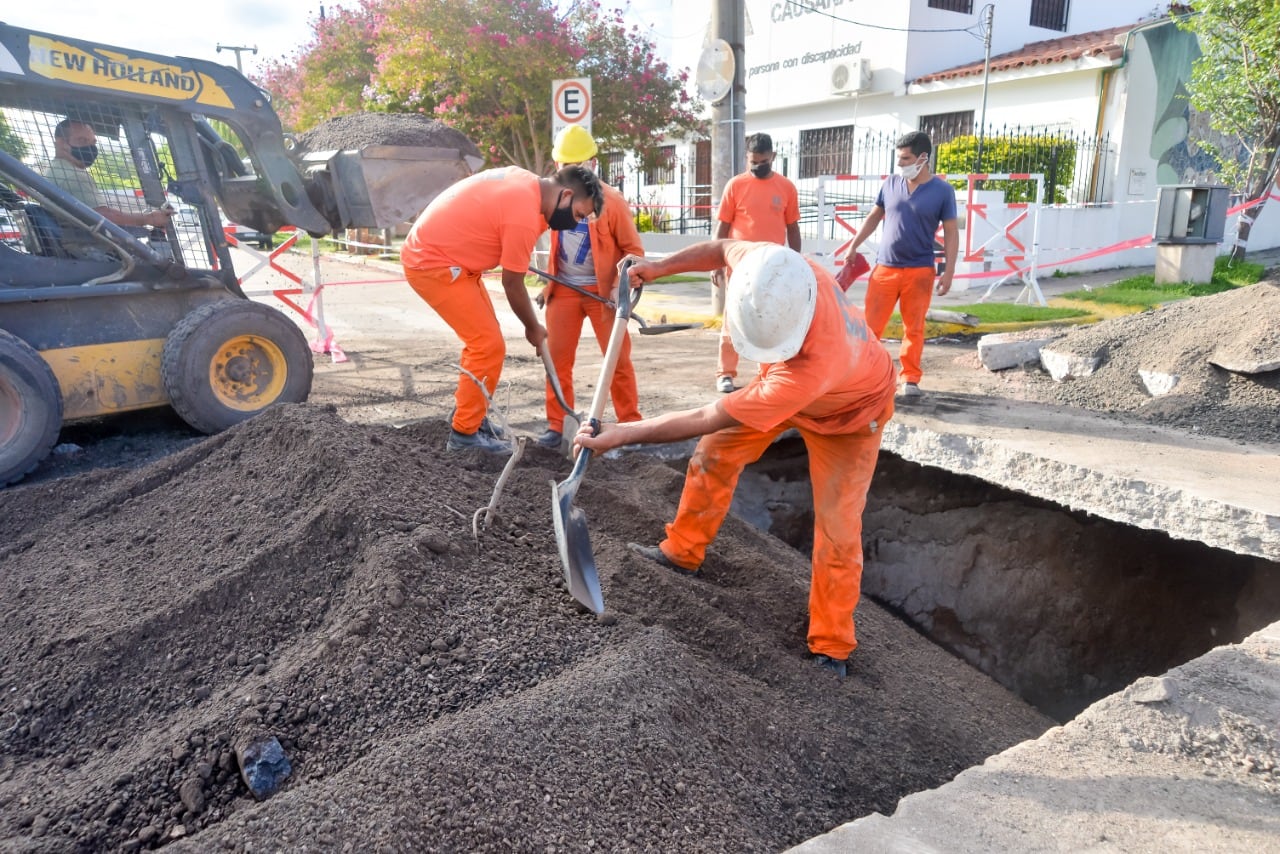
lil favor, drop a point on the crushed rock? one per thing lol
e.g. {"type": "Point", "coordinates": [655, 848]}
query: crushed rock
{"type": "Point", "coordinates": [357, 130]}
{"type": "Point", "coordinates": [1181, 340]}
{"type": "Point", "coordinates": [303, 579]}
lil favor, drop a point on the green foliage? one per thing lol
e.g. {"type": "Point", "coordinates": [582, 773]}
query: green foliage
{"type": "Point", "coordinates": [644, 221]}
{"type": "Point", "coordinates": [1007, 312]}
{"type": "Point", "coordinates": [1236, 83]}
{"type": "Point", "coordinates": [1143, 290]}
{"type": "Point", "coordinates": [11, 142]}
{"type": "Point", "coordinates": [1006, 154]}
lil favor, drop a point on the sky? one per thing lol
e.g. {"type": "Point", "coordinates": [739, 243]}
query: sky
{"type": "Point", "coordinates": [278, 28]}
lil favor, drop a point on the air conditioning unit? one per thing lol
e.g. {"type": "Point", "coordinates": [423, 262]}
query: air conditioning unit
{"type": "Point", "coordinates": [851, 76]}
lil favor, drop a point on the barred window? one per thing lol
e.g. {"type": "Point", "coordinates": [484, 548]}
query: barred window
{"type": "Point", "coordinates": [1050, 14]}
{"type": "Point", "coordinates": [965, 6]}
{"type": "Point", "coordinates": [826, 151]}
{"type": "Point", "coordinates": [666, 172]}
{"type": "Point", "coordinates": [944, 127]}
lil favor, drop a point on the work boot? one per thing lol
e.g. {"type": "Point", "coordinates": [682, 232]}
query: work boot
{"type": "Point", "coordinates": [838, 666]}
{"type": "Point", "coordinates": [550, 440]}
{"type": "Point", "coordinates": [656, 555]}
{"type": "Point", "coordinates": [910, 390]}
{"type": "Point", "coordinates": [724, 385]}
{"type": "Point", "coordinates": [490, 429]}
{"type": "Point", "coordinates": [477, 441]}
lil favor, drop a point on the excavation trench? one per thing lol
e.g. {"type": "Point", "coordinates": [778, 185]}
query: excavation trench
{"type": "Point", "coordinates": [1060, 607]}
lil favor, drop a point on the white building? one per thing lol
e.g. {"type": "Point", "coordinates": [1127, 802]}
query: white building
{"type": "Point", "coordinates": [824, 77]}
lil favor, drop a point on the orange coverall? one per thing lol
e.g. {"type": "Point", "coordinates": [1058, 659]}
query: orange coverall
{"type": "Point", "coordinates": [490, 219]}
{"type": "Point", "coordinates": [838, 393]}
{"type": "Point", "coordinates": [613, 236]}
{"type": "Point", "coordinates": [911, 289]}
{"type": "Point", "coordinates": [756, 209]}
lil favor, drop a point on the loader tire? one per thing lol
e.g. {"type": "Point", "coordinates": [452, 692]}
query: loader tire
{"type": "Point", "coordinates": [30, 408]}
{"type": "Point", "coordinates": [228, 360]}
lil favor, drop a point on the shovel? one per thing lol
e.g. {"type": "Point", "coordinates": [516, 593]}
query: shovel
{"type": "Point", "coordinates": [572, 421]}
{"type": "Point", "coordinates": [646, 328]}
{"type": "Point", "coordinates": [572, 537]}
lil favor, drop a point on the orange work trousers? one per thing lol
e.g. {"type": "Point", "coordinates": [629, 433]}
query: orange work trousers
{"type": "Point", "coordinates": [566, 310]}
{"type": "Point", "coordinates": [727, 358]}
{"type": "Point", "coordinates": [840, 469]}
{"type": "Point", "coordinates": [462, 301]}
{"type": "Point", "coordinates": [911, 289]}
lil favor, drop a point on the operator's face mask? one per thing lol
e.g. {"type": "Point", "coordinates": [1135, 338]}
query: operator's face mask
{"type": "Point", "coordinates": [86, 154]}
{"type": "Point", "coordinates": [763, 169]}
{"type": "Point", "coordinates": [910, 172]}
{"type": "Point", "coordinates": [563, 218]}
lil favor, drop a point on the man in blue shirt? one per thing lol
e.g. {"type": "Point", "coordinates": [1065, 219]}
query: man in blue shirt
{"type": "Point", "coordinates": [911, 205]}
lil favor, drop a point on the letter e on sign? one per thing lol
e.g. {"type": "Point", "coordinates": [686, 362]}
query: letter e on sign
{"type": "Point", "coordinates": [570, 104]}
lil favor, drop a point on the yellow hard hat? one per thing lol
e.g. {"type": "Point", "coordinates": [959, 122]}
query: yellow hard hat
{"type": "Point", "coordinates": [573, 144]}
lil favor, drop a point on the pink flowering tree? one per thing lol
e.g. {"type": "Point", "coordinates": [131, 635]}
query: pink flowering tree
{"type": "Point", "coordinates": [485, 67]}
{"type": "Point", "coordinates": [328, 76]}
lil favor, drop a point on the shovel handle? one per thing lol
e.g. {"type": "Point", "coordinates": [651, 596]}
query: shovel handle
{"type": "Point", "coordinates": [552, 377]}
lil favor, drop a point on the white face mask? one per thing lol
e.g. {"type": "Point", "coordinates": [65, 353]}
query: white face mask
{"type": "Point", "coordinates": [910, 172]}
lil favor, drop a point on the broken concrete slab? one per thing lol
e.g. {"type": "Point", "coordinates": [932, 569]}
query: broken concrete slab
{"type": "Point", "coordinates": [1206, 773]}
{"type": "Point", "coordinates": [1158, 383]}
{"type": "Point", "coordinates": [1068, 366]}
{"type": "Point", "coordinates": [1001, 350]}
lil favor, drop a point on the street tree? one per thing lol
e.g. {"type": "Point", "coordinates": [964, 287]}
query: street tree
{"type": "Point", "coordinates": [329, 76]}
{"type": "Point", "coordinates": [485, 68]}
{"type": "Point", "coordinates": [1236, 83]}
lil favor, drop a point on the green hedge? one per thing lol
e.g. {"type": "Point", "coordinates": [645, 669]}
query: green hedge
{"type": "Point", "coordinates": [1014, 154]}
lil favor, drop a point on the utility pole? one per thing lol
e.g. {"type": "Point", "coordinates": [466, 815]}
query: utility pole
{"type": "Point", "coordinates": [253, 50]}
{"type": "Point", "coordinates": [986, 75]}
{"type": "Point", "coordinates": [728, 116]}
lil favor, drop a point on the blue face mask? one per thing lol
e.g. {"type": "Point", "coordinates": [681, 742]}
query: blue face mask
{"type": "Point", "coordinates": [86, 154]}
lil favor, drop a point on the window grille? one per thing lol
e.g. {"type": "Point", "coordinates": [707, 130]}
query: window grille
{"type": "Point", "coordinates": [1050, 14]}
{"type": "Point", "coordinates": [826, 151]}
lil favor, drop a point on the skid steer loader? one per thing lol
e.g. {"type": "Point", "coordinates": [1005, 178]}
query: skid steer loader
{"type": "Point", "coordinates": [96, 318]}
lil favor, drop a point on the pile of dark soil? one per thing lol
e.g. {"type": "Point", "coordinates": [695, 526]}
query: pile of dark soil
{"type": "Point", "coordinates": [316, 581]}
{"type": "Point", "coordinates": [1190, 340]}
{"type": "Point", "coordinates": [357, 130]}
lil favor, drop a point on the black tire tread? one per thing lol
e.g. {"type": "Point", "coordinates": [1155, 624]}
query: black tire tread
{"type": "Point", "coordinates": [197, 405]}
{"type": "Point", "coordinates": [21, 456]}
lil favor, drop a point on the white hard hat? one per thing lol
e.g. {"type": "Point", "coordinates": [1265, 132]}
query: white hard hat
{"type": "Point", "coordinates": [769, 303]}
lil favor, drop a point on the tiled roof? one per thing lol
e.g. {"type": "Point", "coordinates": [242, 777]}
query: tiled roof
{"type": "Point", "coordinates": [1101, 43]}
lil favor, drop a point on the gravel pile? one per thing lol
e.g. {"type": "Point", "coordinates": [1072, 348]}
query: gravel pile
{"type": "Point", "coordinates": [317, 582]}
{"type": "Point", "coordinates": [1187, 341]}
{"type": "Point", "coordinates": [357, 130]}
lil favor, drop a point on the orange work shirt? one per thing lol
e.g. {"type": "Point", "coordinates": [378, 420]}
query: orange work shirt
{"type": "Point", "coordinates": [759, 209]}
{"type": "Point", "coordinates": [490, 219]}
{"type": "Point", "coordinates": [838, 382]}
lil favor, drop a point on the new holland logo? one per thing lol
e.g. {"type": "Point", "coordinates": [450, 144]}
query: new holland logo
{"type": "Point", "coordinates": [109, 69]}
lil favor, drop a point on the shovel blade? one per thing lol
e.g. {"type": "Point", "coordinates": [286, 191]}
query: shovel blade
{"type": "Point", "coordinates": [567, 431]}
{"type": "Point", "coordinates": [574, 543]}
{"type": "Point", "coordinates": [663, 328]}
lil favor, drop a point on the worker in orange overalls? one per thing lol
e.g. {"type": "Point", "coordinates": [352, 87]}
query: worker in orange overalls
{"type": "Point", "coordinates": [759, 204]}
{"type": "Point", "coordinates": [587, 256]}
{"type": "Point", "coordinates": [489, 219]}
{"type": "Point", "coordinates": [821, 372]}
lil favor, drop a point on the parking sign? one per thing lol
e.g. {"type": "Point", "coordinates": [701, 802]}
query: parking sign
{"type": "Point", "coordinates": [570, 104]}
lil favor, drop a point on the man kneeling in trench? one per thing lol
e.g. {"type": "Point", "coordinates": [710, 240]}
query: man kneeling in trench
{"type": "Point", "coordinates": [821, 372]}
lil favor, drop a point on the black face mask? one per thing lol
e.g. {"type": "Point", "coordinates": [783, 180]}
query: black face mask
{"type": "Point", "coordinates": [86, 154]}
{"type": "Point", "coordinates": [563, 219]}
{"type": "Point", "coordinates": [762, 170]}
